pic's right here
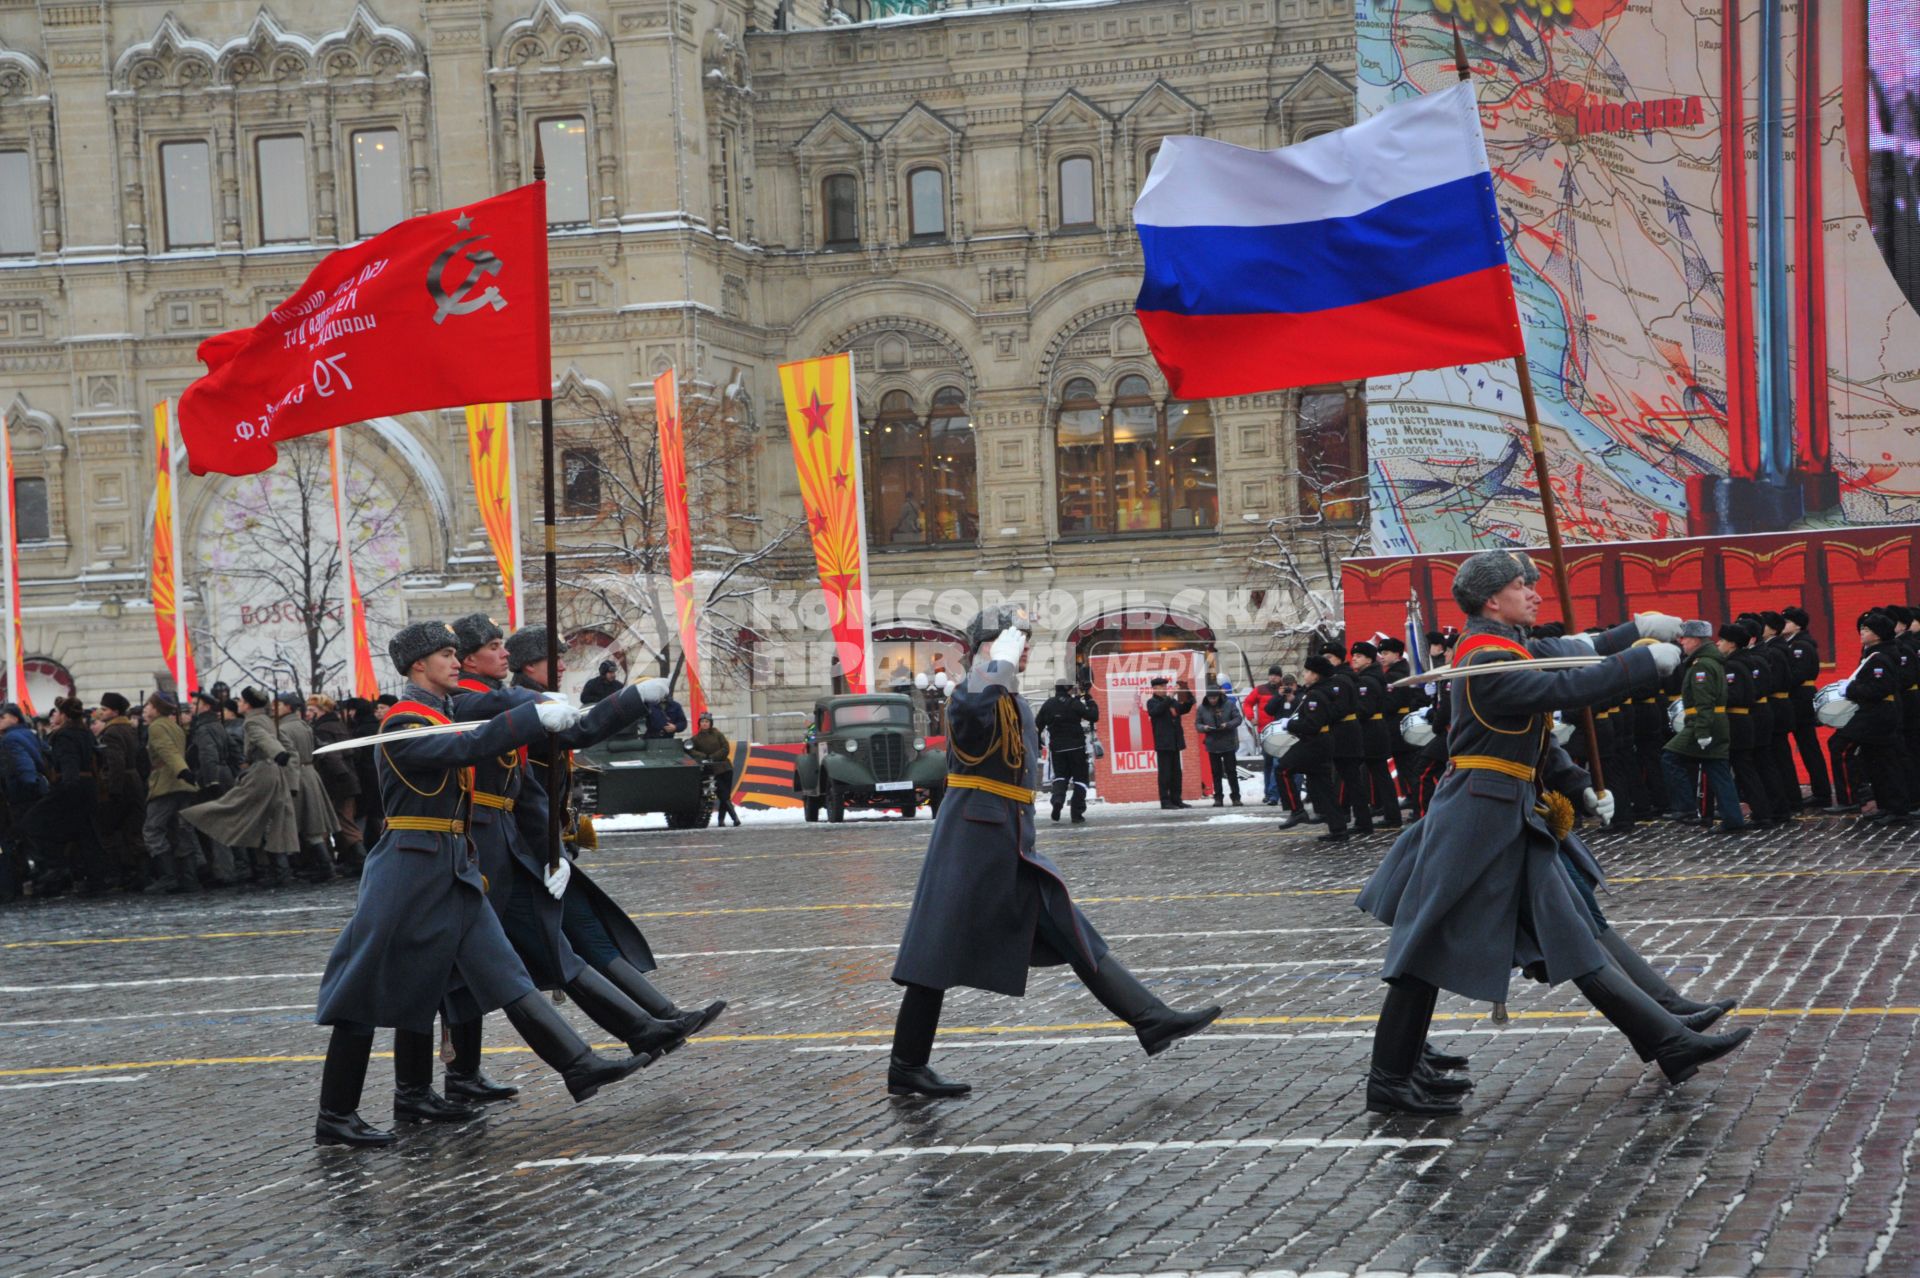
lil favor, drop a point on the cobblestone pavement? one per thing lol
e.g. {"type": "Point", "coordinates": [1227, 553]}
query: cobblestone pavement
{"type": "Point", "coordinates": [159, 1068]}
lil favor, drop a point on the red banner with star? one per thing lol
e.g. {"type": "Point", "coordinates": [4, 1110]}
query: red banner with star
{"type": "Point", "coordinates": [823, 424]}
{"type": "Point", "coordinates": [175, 647]}
{"type": "Point", "coordinates": [673, 488]}
{"type": "Point", "coordinates": [365, 684]}
{"type": "Point", "coordinates": [490, 444]}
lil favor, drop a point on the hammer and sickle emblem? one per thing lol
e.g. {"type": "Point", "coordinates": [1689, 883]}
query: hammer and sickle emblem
{"type": "Point", "coordinates": [458, 302]}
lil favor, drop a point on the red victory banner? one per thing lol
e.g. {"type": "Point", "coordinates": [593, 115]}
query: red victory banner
{"type": "Point", "coordinates": [490, 444]}
{"type": "Point", "coordinates": [175, 648]}
{"type": "Point", "coordinates": [365, 684]}
{"type": "Point", "coordinates": [673, 487]}
{"type": "Point", "coordinates": [824, 428]}
{"type": "Point", "coordinates": [437, 312]}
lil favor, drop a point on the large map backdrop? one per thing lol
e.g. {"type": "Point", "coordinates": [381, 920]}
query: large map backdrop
{"type": "Point", "coordinates": [1607, 128]}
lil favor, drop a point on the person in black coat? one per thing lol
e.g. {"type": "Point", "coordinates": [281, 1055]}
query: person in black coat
{"type": "Point", "coordinates": [1433, 755]}
{"type": "Point", "coordinates": [1772, 721]}
{"type": "Point", "coordinates": [1803, 656]}
{"type": "Point", "coordinates": [1349, 742]}
{"type": "Point", "coordinates": [1400, 702]}
{"type": "Point", "coordinates": [1068, 715]}
{"type": "Point", "coordinates": [62, 823]}
{"type": "Point", "coordinates": [1376, 734]}
{"type": "Point", "coordinates": [1743, 690]}
{"type": "Point", "coordinates": [1169, 737]}
{"type": "Point", "coordinates": [602, 685]}
{"type": "Point", "coordinates": [1906, 640]}
{"type": "Point", "coordinates": [1311, 723]}
{"type": "Point", "coordinates": [1875, 735]}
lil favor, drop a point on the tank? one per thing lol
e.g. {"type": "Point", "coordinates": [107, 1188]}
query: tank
{"type": "Point", "coordinates": [631, 774]}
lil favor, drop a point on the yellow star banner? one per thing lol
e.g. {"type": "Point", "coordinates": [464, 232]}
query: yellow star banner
{"type": "Point", "coordinates": [490, 442]}
{"type": "Point", "coordinates": [824, 427]}
{"type": "Point", "coordinates": [175, 648]}
{"type": "Point", "coordinates": [673, 488]}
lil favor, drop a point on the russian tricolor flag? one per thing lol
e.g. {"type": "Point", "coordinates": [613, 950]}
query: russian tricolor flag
{"type": "Point", "coordinates": [1369, 251]}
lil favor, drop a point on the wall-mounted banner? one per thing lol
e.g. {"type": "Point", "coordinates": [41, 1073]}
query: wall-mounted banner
{"type": "Point", "coordinates": [824, 425]}
{"type": "Point", "coordinates": [673, 489]}
{"type": "Point", "coordinates": [176, 649]}
{"type": "Point", "coordinates": [490, 445]}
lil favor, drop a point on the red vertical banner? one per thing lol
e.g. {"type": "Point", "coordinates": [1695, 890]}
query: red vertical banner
{"type": "Point", "coordinates": [175, 648]}
{"type": "Point", "coordinates": [16, 645]}
{"type": "Point", "coordinates": [824, 426]}
{"type": "Point", "coordinates": [365, 684]}
{"type": "Point", "coordinates": [490, 444]}
{"type": "Point", "coordinates": [1129, 772]}
{"type": "Point", "coordinates": [673, 489]}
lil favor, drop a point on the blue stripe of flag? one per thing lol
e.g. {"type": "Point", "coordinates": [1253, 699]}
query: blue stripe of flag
{"type": "Point", "coordinates": [1297, 268]}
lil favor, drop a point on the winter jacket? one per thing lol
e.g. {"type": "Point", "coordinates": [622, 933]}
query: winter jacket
{"type": "Point", "coordinates": [207, 752]}
{"type": "Point", "coordinates": [1703, 700]}
{"type": "Point", "coordinates": [1218, 720]}
{"type": "Point", "coordinates": [336, 771]}
{"type": "Point", "coordinates": [1875, 687]}
{"type": "Point", "coordinates": [123, 765]}
{"type": "Point", "coordinates": [664, 719]}
{"type": "Point", "coordinates": [1164, 713]}
{"type": "Point", "coordinates": [24, 767]}
{"type": "Point", "coordinates": [1257, 701]}
{"type": "Point", "coordinates": [167, 750]}
{"type": "Point", "coordinates": [1065, 719]}
{"type": "Point", "coordinates": [711, 746]}
{"type": "Point", "coordinates": [74, 753]}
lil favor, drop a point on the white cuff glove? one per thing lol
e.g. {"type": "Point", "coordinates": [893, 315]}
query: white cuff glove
{"type": "Point", "coordinates": [1007, 646]}
{"type": "Point", "coordinates": [1584, 639]}
{"type": "Point", "coordinates": [556, 716]}
{"type": "Point", "coordinates": [1666, 656]}
{"type": "Point", "coordinates": [557, 878]}
{"type": "Point", "coordinates": [652, 690]}
{"type": "Point", "coordinates": [1657, 625]}
{"type": "Point", "coordinates": [561, 697]}
{"type": "Point", "coordinates": [1706, 743]}
{"type": "Point", "coordinates": [1601, 805]}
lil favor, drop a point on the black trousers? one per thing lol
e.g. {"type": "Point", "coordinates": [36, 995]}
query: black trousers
{"type": "Point", "coordinates": [1384, 798]}
{"type": "Point", "coordinates": [1070, 779]}
{"type": "Point", "coordinates": [1653, 773]}
{"type": "Point", "coordinates": [1807, 742]}
{"type": "Point", "coordinates": [1787, 800]}
{"type": "Point", "coordinates": [1170, 779]}
{"type": "Point", "coordinates": [1290, 781]}
{"type": "Point", "coordinates": [1225, 774]}
{"type": "Point", "coordinates": [1886, 769]}
{"type": "Point", "coordinates": [1747, 778]}
{"type": "Point", "coordinates": [1355, 792]}
{"type": "Point", "coordinates": [1323, 792]}
{"type": "Point", "coordinates": [1406, 771]}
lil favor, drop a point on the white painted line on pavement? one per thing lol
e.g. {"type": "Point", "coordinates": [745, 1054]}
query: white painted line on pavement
{"type": "Point", "coordinates": [72, 1082]}
{"type": "Point", "coordinates": [1252, 1144]}
{"type": "Point", "coordinates": [161, 980]}
{"type": "Point", "coordinates": [150, 1016]}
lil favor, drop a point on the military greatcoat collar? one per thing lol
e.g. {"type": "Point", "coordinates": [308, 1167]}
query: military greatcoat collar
{"type": "Point", "coordinates": [1499, 629]}
{"type": "Point", "coordinates": [432, 700]}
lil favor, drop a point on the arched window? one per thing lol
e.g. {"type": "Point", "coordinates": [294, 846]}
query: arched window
{"type": "Point", "coordinates": [1136, 466]}
{"type": "Point", "coordinates": [927, 204]}
{"type": "Point", "coordinates": [921, 486]}
{"type": "Point", "coordinates": [1330, 443]}
{"type": "Point", "coordinates": [1076, 191]}
{"type": "Point", "coordinates": [840, 201]}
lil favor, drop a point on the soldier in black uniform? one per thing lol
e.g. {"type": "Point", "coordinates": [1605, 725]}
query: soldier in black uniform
{"type": "Point", "coordinates": [1433, 755]}
{"type": "Point", "coordinates": [1774, 730]}
{"type": "Point", "coordinates": [1401, 702]}
{"type": "Point", "coordinates": [1742, 692]}
{"type": "Point", "coordinates": [1353, 789]}
{"type": "Point", "coordinates": [1906, 638]}
{"type": "Point", "coordinates": [1376, 734]}
{"type": "Point", "coordinates": [1648, 722]}
{"type": "Point", "coordinates": [1169, 737]}
{"type": "Point", "coordinates": [988, 906]}
{"type": "Point", "coordinates": [1803, 656]}
{"type": "Point", "coordinates": [1876, 733]}
{"type": "Point", "coordinates": [1066, 718]}
{"type": "Point", "coordinates": [1311, 724]}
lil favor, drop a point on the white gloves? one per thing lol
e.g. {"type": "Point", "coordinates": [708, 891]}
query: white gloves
{"type": "Point", "coordinates": [557, 877]}
{"type": "Point", "coordinates": [1601, 805]}
{"type": "Point", "coordinates": [556, 716]}
{"type": "Point", "coordinates": [1657, 625]}
{"type": "Point", "coordinates": [1583, 638]}
{"type": "Point", "coordinates": [1666, 656]}
{"type": "Point", "coordinates": [652, 690]}
{"type": "Point", "coordinates": [1706, 743]}
{"type": "Point", "coordinates": [1008, 645]}
{"type": "Point", "coordinates": [561, 697]}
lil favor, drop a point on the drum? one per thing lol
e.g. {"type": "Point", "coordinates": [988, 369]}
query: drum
{"type": "Point", "coordinates": [1415, 729]}
{"type": "Point", "coordinates": [1831, 707]}
{"type": "Point", "coordinates": [1676, 715]}
{"type": "Point", "coordinates": [1276, 739]}
{"type": "Point", "coordinates": [1562, 730]}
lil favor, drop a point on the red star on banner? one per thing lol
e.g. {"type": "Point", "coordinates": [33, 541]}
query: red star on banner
{"type": "Point", "coordinates": [839, 479]}
{"type": "Point", "coordinates": [816, 414]}
{"type": "Point", "coordinates": [819, 523]}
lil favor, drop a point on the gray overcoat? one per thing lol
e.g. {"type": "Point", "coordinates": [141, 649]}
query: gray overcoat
{"type": "Point", "coordinates": [258, 811]}
{"type": "Point", "coordinates": [975, 917]}
{"type": "Point", "coordinates": [1477, 886]}
{"type": "Point", "coordinates": [312, 810]}
{"type": "Point", "coordinates": [421, 925]}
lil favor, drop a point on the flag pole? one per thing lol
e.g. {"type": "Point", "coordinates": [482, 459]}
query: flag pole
{"type": "Point", "coordinates": [180, 657]}
{"type": "Point", "coordinates": [1556, 552]}
{"type": "Point", "coordinates": [550, 560]}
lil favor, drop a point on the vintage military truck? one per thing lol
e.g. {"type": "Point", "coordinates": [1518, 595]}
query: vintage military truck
{"type": "Point", "coordinates": [629, 773]}
{"type": "Point", "coordinates": [868, 751]}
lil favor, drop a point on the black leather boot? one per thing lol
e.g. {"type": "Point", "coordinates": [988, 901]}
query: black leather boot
{"type": "Point", "coordinates": [341, 1080]}
{"type": "Point", "coordinates": [1442, 1060]}
{"type": "Point", "coordinates": [583, 1070]}
{"type": "Point", "coordinates": [613, 1011]}
{"type": "Point", "coordinates": [464, 1079]}
{"type": "Point", "coordinates": [1654, 1032]}
{"type": "Point", "coordinates": [920, 1080]}
{"type": "Point", "coordinates": [1438, 1084]}
{"type": "Point", "coordinates": [634, 984]}
{"type": "Point", "coordinates": [1640, 973]}
{"type": "Point", "coordinates": [1156, 1025]}
{"type": "Point", "coordinates": [422, 1104]}
{"type": "Point", "coordinates": [1393, 1085]}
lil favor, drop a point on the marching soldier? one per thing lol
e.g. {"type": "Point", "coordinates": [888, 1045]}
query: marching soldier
{"type": "Point", "coordinates": [1803, 656]}
{"type": "Point", "coordinates": [1874, 735]}
{"type": "Point", "coordinates": [1906, 638]}
{"type": "Point", "coordinates": [1743, 694]}
{"type": "Point", "coordinates": [1312, 752]}
{"type": "Point", "coordinates": [1376, 735]}
{"type": "Point", "coordinates": [1400, 703]}
{"type": "Point", "coordinates": [1433, 755]}
{"type": "Point", "coordinates": [421, 914]}
{"type": "Point", "coordinates": [988, 906]}
{"type": "Point", "coordinates": [1354, 790]}
{"type": "Point", "coordinates": [1481, 886]}
{"type": "Point", "coordinates": [1772, 706]}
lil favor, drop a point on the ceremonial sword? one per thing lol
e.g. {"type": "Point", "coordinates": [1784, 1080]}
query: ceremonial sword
{"type": "Point", "coordinates": [402, 734]}
{"type": "Point", "coordinates": [1440, 673]}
